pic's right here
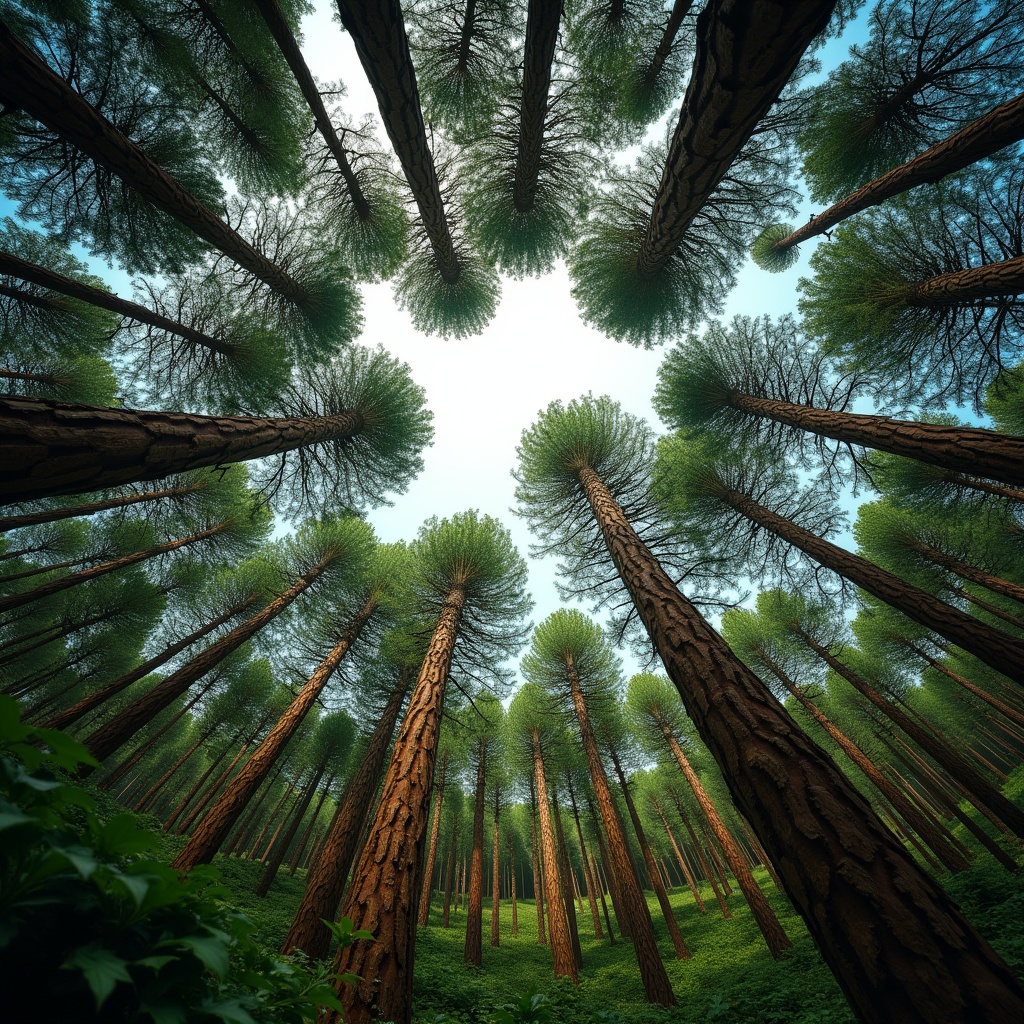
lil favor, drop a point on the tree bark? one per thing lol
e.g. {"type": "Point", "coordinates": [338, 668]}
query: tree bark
{"type": "Point", "coordinates": [657, 987]}
{"type": "Point", "coordinates": [745, 54]}
{"type": "Point", "coordinates": [959, 287]}
{"type": "Point", "coordinates": [588, 876]}
{"type": "Point", "coordinates": [206, 840]}
{"type": "Point", "coordinates": [474, 949]}
{"type": "Point", "coordinates": [382, 897]}
{"type": "Point", "coordinates": [566, 883]}
{"type": "Point", "coordinates": [971, 450]}
{"type": "Point", "coordinates": [972, 574]}
{"type": "Point", "coordinates": [668, 37]}
{"type": "Point", "coordinates": [281, 848]}
{"type": "Point", "coordinates": [450, 874]}
{"type": "Point", "coordinates": [49, 448]}
{"type": "Point", "coordinates": [683, 866]}
{"type": "Point", "coordinates": [873, 913]}
{"type": "Point", "coordinates": [496, 871]}
{"type": "Point", "coordinates": [428, 871]}
{"type": "Point", "coordinates": [325, 883]}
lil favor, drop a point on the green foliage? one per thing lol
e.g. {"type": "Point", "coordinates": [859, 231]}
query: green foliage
{"type": "Point", "coordinates": [765, 251]}
{"type": "Point", "coordinates": [92, 921]}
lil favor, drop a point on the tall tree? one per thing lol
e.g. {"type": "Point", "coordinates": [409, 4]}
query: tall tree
{"type": "Point", "coordinates": [580, 467]}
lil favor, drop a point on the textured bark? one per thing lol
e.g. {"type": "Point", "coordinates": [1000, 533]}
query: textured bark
{"type": "Point", "coordinates": [657, 883]}
{"type": "Point", "coordinates": [207, 839]}
{"type": "Point", "coordinates": [496, 871]}
{"type": "Point", "coordinates": [610, 879]}
{"type": "Point", "coordinates": [981, 792]}
{"type": "Point", "coordinates": [994, 131]}
{"type": "Point", "coordinates": [325, 883]}
{"type": "Point", "coordinates": [105, 740]}
{"type": "Point", "coordinates": [971, 573]}
{"type": "Point", "coordinates": [450, 874]}
{"type": "Point", "coordinates": [281, 847]}
{"type": "Point", "coordinates": [428, 871]}
{"type": "Point", "coordinates": [567, 883]}
{"type": "Point", "coordinates": [541, 38]}
{"type": "Point", "coordinates": [378, 32]}
{"type": "Point", "coordinates": [382, 897]}
{"type": "Point", "coordinates": [11, 264]}
{"type": "Point", "coordinates": [959, 287]}
{"type": "Point", "coordinates": [774, 934]}
{"type": "Point", "coordinates": [512, 880]}
{"type": "Point", "coordinates": [588, 877]}
{"type": "Point", "coordinates": [49, 448]}
{"type": "Point", "coordinates": [745, 54]}
{"type": "Point", "coordinates": [985, 642]}
{"type": "Point", "coordinates": [27, 84]}
{"type": "Point", "coordinates": [474, 949]}
{"type": "Point", "coordinates": [971, 450]}
{"type": "Point", "coordinates": [898, 946]}
{"type": "Point", "coordinates": [538, 893]}
{"type": "Point", "coordinates": [665, 44]}
{"type": "Point", "coordinates": [74, 579]}
{"type": "Point", "coordinates": [683, 866]}
{"type": "Point", "coordinates": [77, 711]}
{"type": "Point", "coordinates": [657, 987]}
{"type": "Point", "coordinates": [558, 925]}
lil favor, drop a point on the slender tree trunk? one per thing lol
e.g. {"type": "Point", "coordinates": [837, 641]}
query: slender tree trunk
{"type": "Point", "coordinates": [450, 874]}
{"type": "Point", "coordinates": [108, 738]}
{"type": "Point", "coordinates": [666, 43]}
{"type": "Point", "coordinates": [986, 643]}
{"type": "Point", "coordinates": [215, 826]}
{"type": "Point", "coordinates": [745, 54]}
{"type": "Point", "coordinates": [78, 711]}
{"type": "Point", "coordinates": [610, 878]}
{"type": "Point", "coordinates": [245, 830]}
{"type": "Point", "coordinates": [198, 785]}
{"type": "Point", "coordinates": [325, 883]}
{"type": "Point", "coordinates": [971, 450]}
{"type": "Point", "coordinates": [143, 802]}
{"type": "Point", "coordinates": [558, 925]}
{"type": "Point", "coordinates": [261, 853]}
{"type": "Point", "coordinates": [678, 942]}
{"type": "Point", "coordinates": [382, 897]}
{"type": "Point", "coordinates": [27, 84]}
{"type": "Point", "coordinates": [968, 572]}
{"type": "Point", "coordinates": [300, 849]}
{"type": "Point", "coordinates": [682, 861]}
{"type": "Point", "coordinates": [428, 871]}
{"type": "Point", "coordinates": [378, 32]}
{"type": "Point", "coordinates": [49, 448]}
{"type": "Point", "coordinates": [595, 874]}
{"type": "Point", "coordinates": [542, 21]}
{"type": "Point", "coordinates": [512, 882]}
{"type": "Point", "coordinates": [474, 949]}
{"type": "Point", "coordinates": [961, 287]}
{"type": "Point", "coordinates": [994, 131]}
{"type": "Point", "coordinates": [496, 871]}
{"type": "Point", "coordinates": [588, 877]}
{"type": "Point", "coordinates": [212, 791]}
{"type": "Point", "coordinates": [566, 883]}
{"type": "Point", "coordinates": [657, 987]}
{"type": "Point", "coordinates": [538, 887]}
{"type": "Point", "coordinates": [827, 845]}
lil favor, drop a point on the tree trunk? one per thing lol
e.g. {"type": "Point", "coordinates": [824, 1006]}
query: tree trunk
{"type": "Point", "coordinates": [678, 942]}
{"type": "Point", "coordinates": [496, 872]}
{"type": "Point", "coordinates": [538, 893]}
{"type": "Point", "coordinates": [49, 448]}
{"type": "Point", "coordinates": [657, 987]}
{"type": "Point", "coordinates": [994, 131]}
{"type": "Point", "coordinates": [450, 874]}
{"type": "Point", "coordinates": [962, 287]}
{"type": "Point", "coordinates": [382, 897]}
{"type": "Point", "coordinates": [215, 826]}
{"type": "Point", "coordinates": [541, 38]}
{"type": "Point", "coordinates": [11, 264]}
{"type": "Point", "coordinates": [27, 84]}
{"type": "Point", "coordinates": [610, 879]}
{"type": "Point", "coordinates": [198, 785]}
{"type": "Point", "coordinates": [212, 791]}
{"type": "Point", "coordinates": [971, 450]}
{"type": "Point", "coordinates": [378, 32]}
{"type": "Point", "coordinates": [566, 883]}
{"type": "Point", "coordinates": [428, 871]}
{"type": "Point", "coordinates": [968, 572]}
{"type": "Point", "coordinates": [681, 859]}
{"type": "Point", "coordinates": [105, 740]}
{"type": "Point", "coordinates": [474, 950]}
{"type": "Point", "coordinates": [86, 704]}
{"type": "Point", "coordinates": [745, 54]}
{"type": "Point", "coordinates": [986, 643]}
{"type": "Point", "coordinates": [325, 883]}
{"type": "Point", "coordinates": [558, 925]}
{"type": "Point", "coordinates": [512, 881]}
{"type": "Point", "coordinates": [665, 44]}
{"type": "Point", "coordinates": [300, 849]}
{"type": "Point", "coordinates": [871, 910]}
{"type": "Point", "coordinates": [588, 877]}
{"type": "Point", "coordinates": [277, 856]}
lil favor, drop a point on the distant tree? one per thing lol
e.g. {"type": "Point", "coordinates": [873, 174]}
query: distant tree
{"type": "Point", "coordinates": [926, 70]}
{"type": "Point", "coordinates": [573, 466]}
{"type": "Point", "coordinates": [471, 581]}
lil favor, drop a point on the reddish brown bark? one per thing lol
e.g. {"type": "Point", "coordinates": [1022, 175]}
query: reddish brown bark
{"type": "Point", "coordinates": [588, 876]}
{"type": "Point", "coordinates": [450, 874]}
{"type": "Point", "coordinates": [474, 950]}
{"type": "Point", "coordinates": [538, 885]}
{"type": "Point", "coordinates": [49, 448]}
{"type": "Point", "coordinates": [566, 882]}
{"type": "Point", "coordinates": [325, 884]}
{"type": "Point", "coordinates": [496, 871]}
{"type": "Point", "coordinates": [206, 840]}
{"type": "Point", "coordinates": [684, 867]}
{"type": "Point", "coordinates": [382, 897]}
{"type": "Point", "coordinates": [960, 287]}
{"type": "Point", "coordinates": [428, 871]}
{"type": "Point", "coordinates": [899, 948]}
{"type": "Point", "coordinates": [281, 847]}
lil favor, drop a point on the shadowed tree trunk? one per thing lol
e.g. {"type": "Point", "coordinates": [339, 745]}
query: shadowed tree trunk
{"type": "Point", "coordinates": [450, 873]}
{"type": "Point", "coordinates": [538, 894]}
{"type": "Point", "coordinates": [512, 879]}
{"type": "Point", "coordinates": [474, 952]}
{"type": "Point", "coordinates": [588, 877]}
{"type": "Point", "coordinates": [325, 884]}
{"type": "Point", "coordinates": [49, 448]}
{"type": "Point", "coordinates": [843, 870]}
{"type": "Point", "coordinates": [684, 867]}
{"type": "Point", "coordinates": [496, 872]}
{"type": "Point", "coordinates": [567, 883]}
{"type": "Point", "coordinates": [428, 871]}
{"type": "Point", "coordinates": [281, 848]}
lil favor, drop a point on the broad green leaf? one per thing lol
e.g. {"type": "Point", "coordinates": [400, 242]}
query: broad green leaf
{"type": "Point", "coordinates": [102, 970]}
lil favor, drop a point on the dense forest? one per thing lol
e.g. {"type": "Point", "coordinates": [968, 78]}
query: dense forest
{"type": "Point", "coordinates": [762, 761]}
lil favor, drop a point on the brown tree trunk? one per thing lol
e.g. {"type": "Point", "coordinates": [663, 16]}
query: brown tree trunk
{"type": "Point", "coordinates": [873, 913]}
{"type": "Point", "coordinates": [49, 448]}
{"type": "Point", "coordinates": [474, 949]}
{"type": "Point", "coordinates": [26, 83]}
{"type": "Point", "coordinates": [961, 287]}
{"type": "Point", "coordinates": [588, 877]}
{"type": "Point", "coordinates": [428, 871]}
{"type": "Point", "coordinates": [745, 54]}
{"type": "Point", "coordinates": [558, 925]}
{"type": "Point", "coordinates": [382, 897]}
{"type": "Point", "coordinates": [325, 883]}
{"type": "Point", "coordinates": [972, 450]}
{"type": "Point", "coordinates": [512, 881]}
{"type": "Point", "coordinates": [538, 885]}
{"type": "Point", "coordinates": [105, 740]}
{"type": "Point", "coordinates": [212, 791]}
{"type": "Point", "coordinates": [303, 844]}
{"type": "Point", "coordinates": [215, 826]}
{"type": "Point", "coordinates": [678, 943]}
{"type": "Point", "coordinates": [968, 572]}
{"type": "Point", "coordinates": [566, 883]}
{"type": "Point", "coordinates": [657, 987]}
{"type": "Point", "coordinates": [450, 874]}
{"type": "Point", "coordinates": [378, 32]}
{"type": "Point", "coordinates": [496, 872]}
{"type": "Point", "coordinates": [994, 131]}
{"type": "Point", "coordinates": [279, 851]}
{"type": "Point", "coordinates": [610, 879]}
{"type": "Point", "coordinates": [667, 41]}
{"type": "Point", "coordinates": [682, 861]}
{"type": "Point", "coordinates": [196, 787]}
